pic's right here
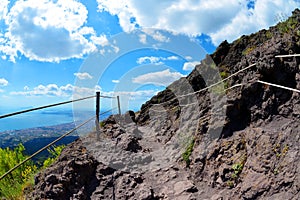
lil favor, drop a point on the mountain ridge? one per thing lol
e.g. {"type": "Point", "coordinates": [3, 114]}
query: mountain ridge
{"type": "Point", "coordinates": [238, 141]}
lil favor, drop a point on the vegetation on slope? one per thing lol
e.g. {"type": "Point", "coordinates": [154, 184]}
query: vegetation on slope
{"type": "Point", "coordinates": [14, 185]}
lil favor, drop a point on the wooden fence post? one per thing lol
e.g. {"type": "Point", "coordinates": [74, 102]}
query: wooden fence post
{"type": "Point", "coordinates": [119, 107]}
{"type": "Point", "coordinates": [97, 121]}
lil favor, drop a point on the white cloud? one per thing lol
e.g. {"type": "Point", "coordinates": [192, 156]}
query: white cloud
{"type": "Point", "coordinates": [155, 60]}
{"type": "Point", "coordinates": [119, 8]}
{"type": "Point", "coordinates": [58, 91]}
{"type": "Point", "coordinates": [3, 82]}
{"type": "Point", "coordinates": [132, 95]}
{"type": "Point", "coordinates": [161, 78]}
{"type": "Point", "coordinates": [3, 8]}
{"type": "Point", "coordinates": [48, 31]}
{"type": "Point", "coordinates": [188, 66]}
{"type": "Point", "coordinates": [74, 92]}
{"type": "Point", "coordinates": [220, 19]}
{"type": "Point", "coordinates": [83, 76]}
{"type": "Point", "coordinates": [101, 40]}
{"type": "Point", "coordinates": [87, 31]}
{"type": "Point", "coordinates": [248, 21]}
{"type": "Point", "coordinates": [188, 58]}
{"type": "Point", "coordinates": [172, 58]}
{"type": "Point", "coordinates": [143, 38]}
{"type": "Point", "coordinates": [150, 59]}
{"type": "Point", "coordinates": [115, 81]}
{"type": "Point", "coordinates": [156, 35]}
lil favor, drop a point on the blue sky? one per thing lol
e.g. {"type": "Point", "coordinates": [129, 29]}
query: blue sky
{"type": "Point", "coordinates": [50, 49]}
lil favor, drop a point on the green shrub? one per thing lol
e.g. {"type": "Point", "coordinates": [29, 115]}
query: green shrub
{"type": "Point", "coordinates": [102, 124]}
{"type": "Point", "coordinates": [230, 184]}
{"type": "Point", "coordinates": [238, 167]}
{"type": "Point", "coordinates": [280, 151]}
{"type": "Point", "coordinates": [11, 186]}
{"type": "Point", "coordinates": [237, 170]}
{"type": "Point", "coordinates": [188, 152]}
{"type": "Point", "coordinates": [55, 151]}
{"type": "Point", "coordinates": [224, 74]}
{"type": "Point", "coordinates": [248, 50]}
{"type": "Point", "coordinates": [287, 26]}
{"type": "Point", "coordinates": [269, 35]}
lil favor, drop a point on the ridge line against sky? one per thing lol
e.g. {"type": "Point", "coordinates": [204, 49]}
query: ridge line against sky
{"type": "Point", "coordinates": [43, 43]}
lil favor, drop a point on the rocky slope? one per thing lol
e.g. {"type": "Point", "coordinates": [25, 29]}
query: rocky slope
{"type": "Point", "coordinates": [195, 143]}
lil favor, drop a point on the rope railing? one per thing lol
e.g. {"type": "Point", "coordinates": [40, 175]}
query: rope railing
{"type": "Point", "coordinates": [227, 78]}
{"type": "Point", "coordinates": [43, 107]}
{"type": "Point", "coordinates": [45, 147]}
{"type": "Point", "coordinates": [67, 133]}
{"type": "Point", "coordinates": [206, 88]}
{"type": "Point", "coordinates": [286, 56]}
{"type": "Point", "coordinates": [52, 143]}
{"type": "Point", "coordinates": [108, 97]}
{"type": "Point", "coordinates": [279, 86]}
{"type": "Point", "coordinates": [52, 105]}
{"type": "Point", "coordinates": [210, 86]}
{"type": "Point", "coordinates": [190, 104]}
{"type": "Point", "coordinates": [237, 85]}
{"type": "Point", "coordinates": [103, 96]}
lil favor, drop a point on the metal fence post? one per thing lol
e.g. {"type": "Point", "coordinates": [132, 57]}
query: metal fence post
{"type": "Point", "coordinates": [119, 107]}
{"type": "Point", "coordinates": [97, 121]}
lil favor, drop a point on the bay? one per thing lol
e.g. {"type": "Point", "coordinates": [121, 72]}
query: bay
{"type": "Point", "coordinates": [43, 119]}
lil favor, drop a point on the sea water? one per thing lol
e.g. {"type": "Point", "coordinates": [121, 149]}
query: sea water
{"type": "Point", "coordinates": [43, 119]}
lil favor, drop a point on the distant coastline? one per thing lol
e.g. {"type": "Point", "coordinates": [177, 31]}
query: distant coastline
{"type": "Point", "coordinates": [42, 126]}
{"type": "Point", "coordinates": [43, 118]}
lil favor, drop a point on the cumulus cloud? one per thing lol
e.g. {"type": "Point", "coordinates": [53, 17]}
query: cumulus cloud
{"type": "Point", "coordinates": [83, 76]}
{"type": "Point", "coordinates": [150, 59]}
{"type": "Point", "coordinates": [155, 60]}
{"type": "Point", "coordinates": [58, 91]}
{"type": "Point", "coordinates": [161, 78]}
{"type": "Point", "coordinates": [188, 66]}
{"type": "Point", "coordinates": [76, 92]}
{"type": "Point", "coordinates": [156, 35]}
{"type": "Point", "coordinates": [118, 8]}
{"type": "Point", "coordinates": [49, 90]}
{"type": "Point", "coordinates": [172, 58]}
{"type": "Point", "coordinates": [143, 38]}
{"type": "Point", "coordinates": [101, 40]}
{"type": "Point", "coordinates": [48, 31]}
{"type": "Point", "coordinates": [220, 19]}
{"type": "Point", "coordinates": [3, 8]}
{"type": "Point", "coordinates": [264, 14]}
{"type": "Point", "coordinates": [3, 82]}
{"type": "Point", "coordinates": [132, 95]}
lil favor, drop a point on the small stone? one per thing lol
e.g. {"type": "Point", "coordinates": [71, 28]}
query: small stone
{"type": "Point", "coordinates": [52, 179]}
{"type": "Point", "coordinates": [219, 180]}
{"type": "Point", "coordinates": [184, 186]}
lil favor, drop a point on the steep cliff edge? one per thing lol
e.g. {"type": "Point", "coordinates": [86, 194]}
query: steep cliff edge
{"type": "Point", "coordinates": [237, 141]}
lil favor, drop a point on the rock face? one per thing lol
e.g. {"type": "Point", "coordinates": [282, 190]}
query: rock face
{"type": "Point", "coordinates": [74, 178]}
{"type": "Point", "coordinates": [239, 144]}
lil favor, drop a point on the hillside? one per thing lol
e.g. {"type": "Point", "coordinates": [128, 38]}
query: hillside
{"type": "Point", "coordinates": [34, 139]}
{"type": "Point", "coordinates": [239, 140]}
